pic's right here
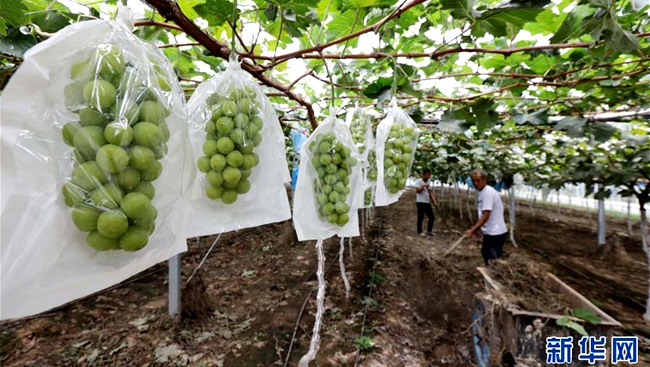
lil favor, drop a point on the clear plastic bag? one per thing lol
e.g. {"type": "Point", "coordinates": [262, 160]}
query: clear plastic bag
{"type": "Point", "coordinates": [361, 129]}
{"type": "Point", "coordinates": [239, 149]}
{"type": "Point", "coordinates": [397, 137]}
{"type": "Point", "coordinates": [326, 198]}
{"type": "Point", "coordinates": [90, 195]}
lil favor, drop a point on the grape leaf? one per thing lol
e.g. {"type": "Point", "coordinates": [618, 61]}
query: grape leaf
{"type": "Point", "coordinates": [216, 12]}
{"type": "Point", "coordinates": [13, 12]}
{"type": "Point", "coordinates": [587, 315]}
{"type": "Point", "coordinates": [566, 322]}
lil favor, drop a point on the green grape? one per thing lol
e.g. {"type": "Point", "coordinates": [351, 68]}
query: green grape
{"type": "Point", "coordinates": [112, 224]}
{"type": "Point", "coordinates": [224, 146]}
{"type": "Point", "coordinates": [85, 217]}
{"type": "Point", "coordinates": [243, 187]}
{"type": "Point", "coordinates": [88, 176]}
{"type": "Point", "coordinates": [69, 131]}
{"type": "Point", "coordinates": [229, 196]}
{"type": "Point", "coordinates": [90, 117]}
{"type": "Point", "coordinates": [100, 94]}
{"type": "Point", "coordinates": [153, 112]}
{"type": "Point", "coordinates": [218, 162]}
{"type": "Point", "coordinates": [88, 140]}
{"type": "Point", "coordinates": [107, 196]}
{"type": "Point", "coordinates": [73, 195]}
{"type": "Point", "coordinates": [214, 192]}
{"type": "Point", "coordinates": [215, 178]}
{"type": "Point", "coordinates": [112, 158]}
{"type": "Point", "coordinates": [145, 188]}
{"type": "Point", "coordinates": [134, 239]}
{"type": "Point", "coordinates": [99, 242]}
{"type": "Point", "coordinates": [147, 134]}
{"type": "Point", "coordinates": [128, 178]}
{"type": "Point", "coordinates": [118, 133]}
{"type": "Point", "coordinates": [141, 157]}
{"type": "Point", "coordinates": [152, 172]}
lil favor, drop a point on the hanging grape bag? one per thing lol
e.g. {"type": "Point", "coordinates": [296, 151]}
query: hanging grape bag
{"type": "Point", "coordinates": [361, 130]}
{"type": "Point", "coordinates": [90, 195]}
{"type": "Point", "coordinates": [326, 198]}
{"type": "Point", "coordinates": [239, 150]}
{"type": "Point", "coordinates": [397, 137]}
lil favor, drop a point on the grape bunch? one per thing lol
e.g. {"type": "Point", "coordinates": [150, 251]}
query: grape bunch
{"type": "Point", "coordinates": [398, 155]}
{"type": "Point", "coordinates": [359, 127]}
{"type": "Point", "coordinates": [117, 141]}
{"type": "Point", "coordinates": [367, 197]}
{"type": "Point", "coordinates": [333, 162]}
{"type": "Point", "coordinates": [233, 131]}
{"type": "Point", "coordinates": [372, 163]}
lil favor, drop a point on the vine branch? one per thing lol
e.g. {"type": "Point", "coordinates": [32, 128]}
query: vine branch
{"type": "Point", "coordinates": [170, 10]}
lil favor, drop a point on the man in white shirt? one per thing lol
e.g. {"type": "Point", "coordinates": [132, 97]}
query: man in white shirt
{"type": "Point", "coordinates": [424, 197]}
{"type": "Point", "coordinates": [491, 223]}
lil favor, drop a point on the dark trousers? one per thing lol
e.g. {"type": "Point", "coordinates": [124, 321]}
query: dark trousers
{"type": "Point", "coordinates": [493, 247]}
{"type": "Point", "coordinates": [425, 208]}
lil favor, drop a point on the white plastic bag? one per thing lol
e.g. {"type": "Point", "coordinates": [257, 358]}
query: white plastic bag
{"type": "Point", "coordinates": [237, 142]}
{"type": "Point", "coordinates": [328, 188]}
{"type": "Point", "coordinates": [46, 261]}
{"type": "Point", "coordinates": [361, 129]}
{"type": "Point", "coordinates": [397, 137]}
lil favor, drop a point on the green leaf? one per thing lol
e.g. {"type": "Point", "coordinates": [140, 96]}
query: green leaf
{"type": "Point", "coordinates": [51, 22]}
{"type": "Point", "coordinates": [460, 9]}
{"type": "Point", "coordinates": [536, 118]}
{"type": "Point", "coordinates": [572, 26]}
{"type": "Point", "coordinates": [574, 126]}
{"type": "Point", "coordinates": [499, 22]}
{"type": "Point", "coordinates": [216, 12]}
{"type": "Point", "coordinates": [3, 28]}
{"type": "Point", "coordinates": [566, 322]}
{"type": "Point", "coordinates": [481, 113]}
{"type": "Point", "coordinates": [341, 26]}
{"type": "Point", "coordinates": [356, 4]}
{"type": "Point", "coordinates": [187, 6]}
{"type": "Point", "coordinates": [15, 43]}
{"type": "Point", "coordinates": [602, 131]}
{"type": "Point", "coordinates": [587, 315]}
{"type": "Point", "coordinates": [546, 22]}
{"type": "Point", "coordinates": [13, 12]}
{"type": "Point", "coordinates": [378, 87]}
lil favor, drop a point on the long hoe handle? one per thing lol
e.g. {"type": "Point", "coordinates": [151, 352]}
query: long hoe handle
{"type": "Point", "coordinates": [453, 247]}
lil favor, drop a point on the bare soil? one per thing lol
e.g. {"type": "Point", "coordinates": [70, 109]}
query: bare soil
{"type": "Point", "coordinates": [242, 307]}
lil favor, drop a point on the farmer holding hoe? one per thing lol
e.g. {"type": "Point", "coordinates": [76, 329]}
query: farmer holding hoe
{"type": "Point", "coordinates": [424, 198]}
{"type": "Point", "coordinates": [491, 222]}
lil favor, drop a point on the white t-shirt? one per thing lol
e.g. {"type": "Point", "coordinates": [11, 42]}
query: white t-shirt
{"type": "Point", "coordinates": [423, 196]}
{"type": "Point", "coordinates": [489, 199]}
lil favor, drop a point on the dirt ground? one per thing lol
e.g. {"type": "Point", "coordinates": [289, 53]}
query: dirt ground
{"type": "Point", "coordinates": [413, 304]}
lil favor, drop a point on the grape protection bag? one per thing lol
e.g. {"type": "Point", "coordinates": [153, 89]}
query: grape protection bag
{"type": "Point", "coordinates": [239, 150]}
{"type": "Point", "coordinates": [326, 198]}
{"type": "Point", "coordinates": [397, 137]}
{"type": "Point", "coordinates": [361, 129]}
{"type": "Point", "coordinates": [90, 194]}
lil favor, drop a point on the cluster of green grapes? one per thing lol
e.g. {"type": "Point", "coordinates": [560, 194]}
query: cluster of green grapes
{"type": "Point", "coordinates": [398, 154]}
{"type": "Point", "coordinates": [233, 132]}
{"type": "Point", "coordinates": [359, 126]}
{"type": "Point", "coordinates": [119, 138]}
{"type": "Point", "coordinates": [372, 163]}
{"type": "Point", "coordinates": [367, 197]}
{"type": "Point", "coordinates": [333, 162]}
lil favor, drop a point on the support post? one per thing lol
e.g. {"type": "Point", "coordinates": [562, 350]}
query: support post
{"type": "Point", "coordinates": [601, 222]}
{"type": "Point", "coordinates": [174, 285]}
